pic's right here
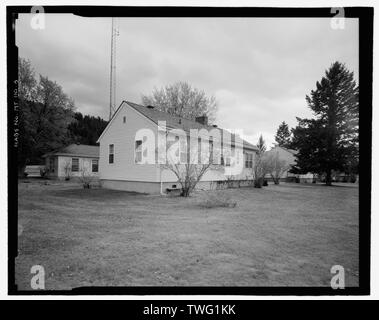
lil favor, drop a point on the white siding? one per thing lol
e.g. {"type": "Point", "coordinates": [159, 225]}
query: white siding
{"type": "Point", "coordinates": [124, 168]}
{"type": "Point", "coordinates": [122, 136]}
{"type": "Point", "coordinates": [84, 164]}
{"type": "Point", "coordinates": [214, 175]}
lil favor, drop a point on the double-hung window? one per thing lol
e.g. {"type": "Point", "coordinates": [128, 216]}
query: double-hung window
{"type": "Point", "coordinates": [95, 165]}
{"type": "Point", "coordinates": [211, 151]}
{"type": "Point", "coordinates": [227, 153]}
{"type": "Point", "coordinates": [111, 153]}
{"type": "Point", "coordinates": [74, 164]}
{"type": "Point", "coordinates": [248, 160]}
{"type": "Point", "coordinates": [138, 151]}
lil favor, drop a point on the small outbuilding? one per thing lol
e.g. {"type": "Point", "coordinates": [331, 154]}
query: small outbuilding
{"type": "Point", "coordinates": [289, 156]}
{"type": "Point", "coordinates": [73, 161]}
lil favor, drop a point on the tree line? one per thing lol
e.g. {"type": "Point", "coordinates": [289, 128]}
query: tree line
{"type": "Point", "coordinates": [47, 118]}
{"type": "Point", "coordinates": [328, 142]}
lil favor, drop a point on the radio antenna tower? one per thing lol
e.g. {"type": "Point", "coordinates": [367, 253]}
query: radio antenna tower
{"type": "Point", "coordinates": [112, 86]}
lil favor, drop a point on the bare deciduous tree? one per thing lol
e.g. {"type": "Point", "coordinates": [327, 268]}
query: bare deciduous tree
{"type": "Point", "coordinates": [67, 169]}
{"type": "Point", "coordinates": [260, 166]}
{"type": "Point", "coordinates": [190, 171]}
{"type": "Point", "coordinates": [275, 166]}
{"type": "Point", "coordinates": [45, 111]}
{"type": "Point", "coordinates": [85, 178]}
{"type": "Point", "coordinates": [181, 99]}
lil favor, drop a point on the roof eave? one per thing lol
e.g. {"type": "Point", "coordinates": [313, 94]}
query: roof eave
{"type": "Point", "coordinates": [70, 155]}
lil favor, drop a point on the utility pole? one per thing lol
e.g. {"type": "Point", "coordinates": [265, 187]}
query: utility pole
{"type": "Point", "coordinates": [112, 82]}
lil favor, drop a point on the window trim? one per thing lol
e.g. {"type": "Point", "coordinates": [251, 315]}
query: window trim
{"type": "Point", "coordinates": [227, 157]}
{"type": "Point", "coordinates": [211, 150]}
{"type": "Point", "coordinates": [72, 165]}
{"type": "Point", "coordinates": [97, 160]}
{"type": "Point", "coordinates": [248, 160]}
{"type": "Point", "coordinates": [110, 154]}
{"type": "Point", "coordinates": [137, 152]}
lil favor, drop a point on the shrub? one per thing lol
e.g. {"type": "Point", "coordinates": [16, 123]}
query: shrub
{"type": "Point", "coordinates": [218, 200]}
{"type": "Point", "coordinates": [85, 179]}
{"type": "Point", "coordinates": [44, 172]}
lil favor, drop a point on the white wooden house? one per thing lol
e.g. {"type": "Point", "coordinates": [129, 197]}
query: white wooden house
{"type": "Point", "coordinates": [120, 165]}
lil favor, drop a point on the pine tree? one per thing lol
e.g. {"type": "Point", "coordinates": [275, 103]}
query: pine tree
{"type": "Point", "coordinates": [261, 145]}
{"type": "Point", "coordinates": [86, 129]}
{"type": "Point", "coordinates": [330, 141]}
{"type": "Point", "coordinates": [283, 135]}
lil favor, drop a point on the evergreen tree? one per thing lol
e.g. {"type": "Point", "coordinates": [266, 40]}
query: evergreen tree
{"type": "Point", "coordinates": [283, 136]}
{"type": "Point", "coordinates": [86, 129]}
{"type": "Point", "coordinates": [330, 141]}
{"type": "Point", "coordinates": [261, 145]}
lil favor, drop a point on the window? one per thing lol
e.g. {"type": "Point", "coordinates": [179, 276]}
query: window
{"type": "Point", "coordinates": [95, 165]}
{"type": "Point", "coordinates": [111, 153]}
{"type": "Point", "coordinates": [75, 165]}
{"type": "Point", "coordinates": [248, 160]}
{"type": "Point", "coordinates": [211, 150]}
{"type": "Point", "coordinates": [231, 153]}
{"type": "Point", "coordinates": [226, 157]}
{"type": "Point", "coordinates": [138, 151]}
{"type": "Point", "coordinates": [183, 151]}
{"type": "Point", "coordinates": [227, 160]}
{"type": "Point", "coordinates": [124, 119]}
{"type": "Point", "coordinates": [216, 155]}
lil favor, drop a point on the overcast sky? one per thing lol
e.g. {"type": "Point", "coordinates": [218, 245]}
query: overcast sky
{"type": "Point", "coordinates": [259, 70]}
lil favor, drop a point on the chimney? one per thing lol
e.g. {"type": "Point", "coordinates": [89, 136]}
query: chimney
{"type": "Point", "coordinates": [203, 119]}
{"type": "Point", "coordinates": [150, 107]}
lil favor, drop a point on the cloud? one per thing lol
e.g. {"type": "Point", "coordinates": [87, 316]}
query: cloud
{"type": "Point", "coordinates": [259, 70]}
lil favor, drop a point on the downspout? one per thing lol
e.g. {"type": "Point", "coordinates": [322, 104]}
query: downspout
{"type": "Point", "coordinates": [160, 179]}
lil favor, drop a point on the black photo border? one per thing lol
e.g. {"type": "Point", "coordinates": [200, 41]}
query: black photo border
{"type": "Point", "coordinates": [365, 16]}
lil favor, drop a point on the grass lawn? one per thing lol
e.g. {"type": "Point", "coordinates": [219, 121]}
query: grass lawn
{"type": "Point", "coordinates": [286, 235]}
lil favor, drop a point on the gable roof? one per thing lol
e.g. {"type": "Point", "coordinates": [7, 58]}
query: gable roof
{"type": "Point", "coordinates": [176, 122]}
{"type": "Point", "coordinates": [78, 150]}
